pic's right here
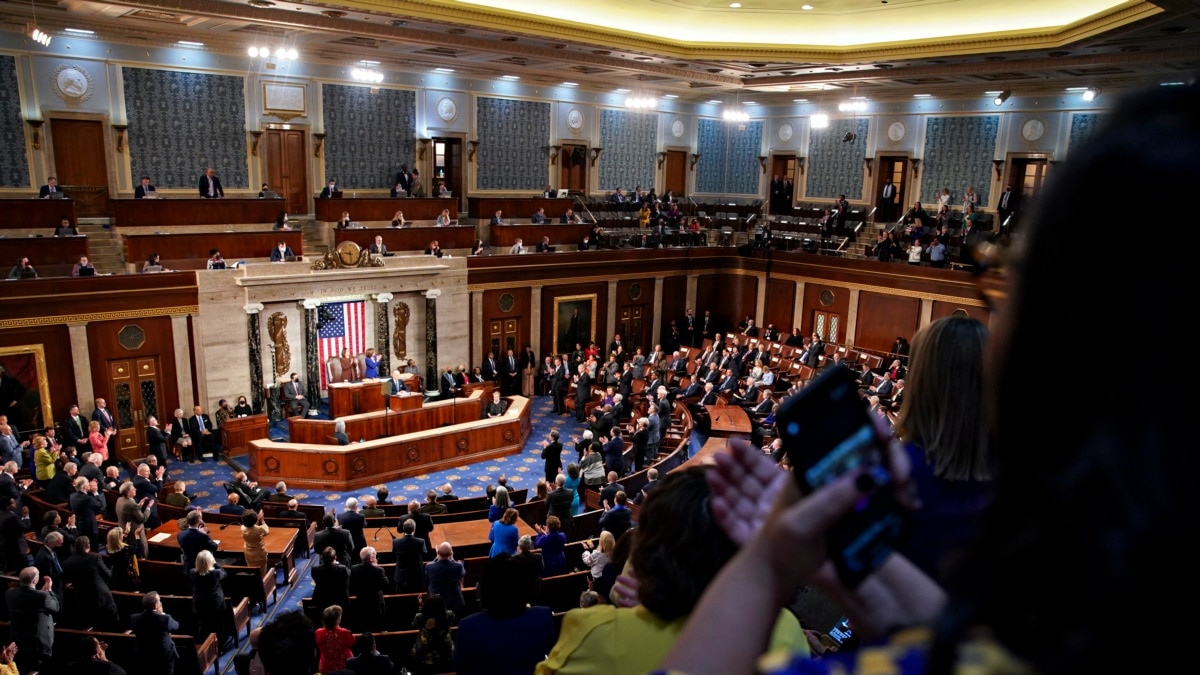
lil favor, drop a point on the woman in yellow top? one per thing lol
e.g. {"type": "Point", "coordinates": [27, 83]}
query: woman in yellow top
{"type": "Point", "coordinates": [254, 532]}
{"type": "Point", "coordinates": [43, 460]}
{"type": "Point", "coordinates": [644, 216]}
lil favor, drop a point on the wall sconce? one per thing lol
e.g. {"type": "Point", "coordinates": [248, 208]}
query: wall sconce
{"type": "Point", "coordinates": [120, 129]}
{"type": "Point", "coordinates": [999, 164]}
{"type": "Point", "coordinates": [257, 135]}
{"type": "Point", "coordinates": [319, 144]}
{"type": "Point", "coordinates": [471, 152]}
{"type": "Point", "coordinates": [695, 158]}
{"type": "Point", "coordinates": [662, 157]}
{"type": "Point", "coordinates": [37, 132]}
{"type": "Point", "coordinates": [800, 165]}
{"type": "Point", "coordinates": [870, 164]}
{"type": "Point", "coordinates": [425, 142]}
{"type": "Point", "coordinates": [596, 155]}
{"type": "Point", "coordinates": [554, 149]}
{"type": "Point", "coordinates": [916, 166]}
{"type": "Point", "coordinates": [762, 161]}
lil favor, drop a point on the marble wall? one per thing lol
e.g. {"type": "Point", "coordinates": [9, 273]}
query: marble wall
{"type": "Point", "coordinates": [14, 163]}
{"type": "Point", "coordinates": [958, 154]}
{"type": "Point", "coordinates": [834, 166]}
{"type": "Point", "coordinates": [514, 144]}
{"type": "Point", "coordinates": [369, 134]}
{"type": "Point", "coordinates": [181, 122]}
{"type": "Point", "coordinates": [630, 143]}
{"type": "Point", "coordinates": [728, 157]}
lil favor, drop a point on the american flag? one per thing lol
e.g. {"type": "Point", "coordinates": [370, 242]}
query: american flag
{"type": "Point", "coordinates": [343, 325]}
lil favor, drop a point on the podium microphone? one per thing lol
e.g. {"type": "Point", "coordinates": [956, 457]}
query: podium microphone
{"type": "Point", "coordinates": [375, 537]}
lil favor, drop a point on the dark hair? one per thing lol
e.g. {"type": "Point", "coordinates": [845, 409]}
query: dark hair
{"type": "Point", "coordinates": [328, 555]}
{"type": "Point", "coordinates": [573, 470]}
{"type": "Point", "coordinates": [434, 607]}
{"type": "Point", "coordinates": [553, 524]}
{"type": "Point", "coordinates": [1088, 517]}
{"type": "Point", "coordinates": [679, 547]}
{"type": "Point", "coordinates": [328, 522]}
{"type": "Point", "coordinates": [249, 518]}
{"type": "Point", "coordinates": [505, 587]}
{"type": "Point", "coordinates": [287, 644]}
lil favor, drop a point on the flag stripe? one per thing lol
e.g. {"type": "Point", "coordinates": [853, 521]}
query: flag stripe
{"type": "Point", "coordinates": [343, 325]}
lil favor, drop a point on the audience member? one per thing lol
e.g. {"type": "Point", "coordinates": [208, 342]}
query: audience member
{"type": "Point", "coordinates": [287, 645]}
{"type": "Point", "coordinates": [504, 534]}
{"type": "Point", "coordinates": [433, 650]}
{"type": "Point", "coordinates": [369, 661]}
{"type": "Point", "coordinates": [368, 584]}
{"type": "Point", "coordinates": [484, 643]}
{"type": "Point", "coordinates": [208, 599]}
{"type": "Point", "coordinates": [331, 581]}
{"type": "Point", "coordinates": [333, 641]}
{"type": "Point", "coordinates": [153, 646]}
{"type": "Point", "coordinates": [89, 576]}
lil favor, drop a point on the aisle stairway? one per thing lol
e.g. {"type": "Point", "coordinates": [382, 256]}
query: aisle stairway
{"type": "Point", "coordinates": [314, 244]}
{"type": "Point", "coordinates": [104, 248]}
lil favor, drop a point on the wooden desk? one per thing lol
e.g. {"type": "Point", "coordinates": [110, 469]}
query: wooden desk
{"type": "Point", "coordinates": [353, 398]}
{"type": "Point", "coordinates": [409, 415]}
{"type": "Point", "coordinates": [393, 457]}
{"type": "Point", "coordinates": [168, 213]}
{"type": "Point", "coordinates": [470, 532]}
{"type": "Point", "coordinates": [50, 256]}
{"type": "Point", "coordinates": [704, 456]}
{"type": "Point", "coordinates": [194, 246]}
{"type": "Point", "coordinates": [239, 431]}
{"type": "Point", "coordinates": [408, 401]}
{"type": "Point", "coordinates": [364, 209]}
{"type": "Point", "coordinates": [43, 214]}
{"type": "Point", "coordinates": [567, 237]}
{"type": "Point", "coordinates": [519, 209]}
{"type": "Point", "coordinates": [729, 421]}
{"type": "Point", "coordinates": [398, 239]}
{"type": "Point", "coordinates": [279, 542]}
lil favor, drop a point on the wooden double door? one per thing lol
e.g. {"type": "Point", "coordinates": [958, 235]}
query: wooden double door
{"type": "Point", "coordinates": [81, 164]}
{"type": "Point", "coordinates": [287, 167]}
{"type": "Point", "coordinates": [135, 393]}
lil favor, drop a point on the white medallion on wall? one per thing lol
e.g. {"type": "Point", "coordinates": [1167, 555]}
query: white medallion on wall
{"type": "Point", "coordinates": [72, 84]}
{"type": "Point", "coordinates": [447, 109]}
{"type": "Point", "coordinates": [896, 131]}
{"type": "Point", "coordinates": [677, 128]}
{"type": "Point", "coordinates": [1033, 130]}
{"type": "Point", "coordinates": [574, 120]}
{"type": "Point", "coordinates": [785, 132]}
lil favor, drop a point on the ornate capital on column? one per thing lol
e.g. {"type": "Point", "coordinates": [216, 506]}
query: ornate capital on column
{"type": "Point", "coordinates": [384, 298]}
{"type": "Point", "coordinates": [433, 294]}
{"type": "Point", "coordinates": [254, 307]}
{"type": "Point", "coordinates": [310, 304]}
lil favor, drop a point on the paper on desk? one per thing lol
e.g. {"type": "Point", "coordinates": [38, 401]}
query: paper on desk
{"type": "Point", "coordinates": [160, 537]}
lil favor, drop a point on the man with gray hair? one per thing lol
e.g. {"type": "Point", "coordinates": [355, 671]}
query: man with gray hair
{"type": "Point", "coordinates": [280, 494]}
{"type": "Point", "coordinates": [447, 494]}
{"type": "Point", "coordinates": [48, 563]}
{"type": "Point", "coordinates": [371, 509]}
{"type": "Point", "coordinates": [31, 620]}
{"type": "Point", "coordinates": [409, 551]}
{"type": "Point", "coordinates": [368, 583]}
{"type": "Point", "coordinates": [353, 522]}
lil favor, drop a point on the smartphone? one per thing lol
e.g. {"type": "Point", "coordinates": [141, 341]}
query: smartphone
{"type": "Point", "coordinates": [827, 432]}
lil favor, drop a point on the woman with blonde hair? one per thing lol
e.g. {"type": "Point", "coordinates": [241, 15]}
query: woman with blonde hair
{"type": "Point", "coordinates": [254, 533]}
{"type": "Point", "coordinates": [98, 441]}
{"type": "Point", "coordinates": [597, 557]}
{"type": "Point", "coordinates": [123, 558]}
{"type": "Point", "coordinates": [443, 219]}
{"type": "Point", "coordinates": [43, 460]}
{"type": "Point", "coordinates": [208, 598]}
{"type": "Point", "coordinates": [398, 219]}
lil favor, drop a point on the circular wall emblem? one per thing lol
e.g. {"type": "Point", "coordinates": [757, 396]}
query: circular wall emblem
{"type": "Point", "coordinates": [506, 302]}
{"type": "Point", "coordinates": [826, 298]}
{"type": "Point", "coordinates": [635, 291]}
{"type": "Point", "coordinates": [785, 132]}
{"type": "Point", "coordinates": [509, 435]}
{"type": "Point", "coordinates": [413, 454]}
{"type": "Point", "coordinates": [73, 84]}
{"type": "Point", "coordinates": [574, 119]}
{"type": "Point", "coordinates": [896, 131]}
{"type": "Point", "coordinates": [359, 465]}
{"type": "Point", "coordinates": [677, 128]}
{"type": "Point", "coordinates": [131, 337]}
{"type": "Point", "coordinates": [447, 109]}
{"type": "Point", "coordinates": [1033, 130]}
{"type": "Point", "coordinates": [330, 467]}
{"type": "Point", "coordinates": [463, 445]}
{"type": "Point", "coordinates": [272, 463]}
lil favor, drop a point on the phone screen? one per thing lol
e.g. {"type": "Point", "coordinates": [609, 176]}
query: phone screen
{"type": "Point", "coordinates": [827, 433]}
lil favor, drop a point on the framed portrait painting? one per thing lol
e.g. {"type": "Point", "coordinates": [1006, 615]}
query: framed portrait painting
{"type": "Point", "coordinates": [574, 322]}
{"type": "Point", "coordinates": [24, 389]}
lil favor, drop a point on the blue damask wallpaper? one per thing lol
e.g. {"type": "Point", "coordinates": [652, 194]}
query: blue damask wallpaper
{"type": "Point", "coordinates": [14, 164]}
{"type": "Point", "coordinates": [180, 123]}
{"type": "Point", "coordinates": [833, 166]}
{"type": "Point", "coordinates": [368, 136]}
{"type": "Point", "coordinates": [728, 157]}
{"type": "Point", "coordinates": [958, 154]}
{"type": "Point", "coordinates": [1083, 125]}
{"type": "Point", "coordinates": [629, 140]}
{"type": "Point", "coordinates": [514, 148]}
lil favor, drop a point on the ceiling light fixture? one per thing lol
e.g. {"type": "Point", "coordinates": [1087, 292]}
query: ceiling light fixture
{"type": "Point", "coordinates": [569, 84]}
{"type": "Point", "coordinates": [1071, 90]}
{"type": "Point", "coordinates": [1172, 84]}
{"type": "Point", "coordinates": [993, 93]}
{"type": "Point", "coordinates": [735, 115]}
{"type": "Point", "coordinates": [799, 100]}
{"type": "Point", "coordinates": [819, 121]}
{"type": "Point", "coordinates": [622, 90]}
{"type": "Point", "coordinates": [37, 34]}
{"type": "Point", "coordinates": [806, 7]}
{"type": "Point", "coordinates": [712, 102]}
{"type": "Point", "coordinates": [367, 75]}
{"type": "Point", "coordinates": [79, 31]}
{"type": "Point", "coordinates": [1090, 95]}
{"type": "Point", "coordinates": [1002, 97]}
{"type": "Point", "coordinates": [922, 95]}
{"type": "Point", "coordinates": [443, 70]}
{"type": "Point", "coordinates": [510, 78]}
{"type": "Point", "coordinates": [677, 95]}
{"type": "Point", "coordinates": [852, 106]}
{"type": "Point", "coordinates": [641, 102]}
{"type": "Point", "coordinates": [735, 5]}
{"type": "Point", "coordinates": [189, 43]}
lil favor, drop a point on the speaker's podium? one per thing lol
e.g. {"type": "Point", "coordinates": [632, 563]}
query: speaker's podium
{"type": "Point", "coordinates": [237, 432]}
{"type": "Point", "coordinates": [354, 398]}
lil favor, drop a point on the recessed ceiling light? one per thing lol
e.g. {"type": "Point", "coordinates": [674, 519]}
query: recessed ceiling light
{"type": "Point", "coordinates": [189, 43]}
{"type": "Point", "coordinates": [922, 95]}
{"type": "Point", "coordinates": [367, 62]}
{"type": "Point", "coordinates": [1090, 94]}
{"type": "Point", "coordinates": [806, 7]}
{"type": "Point", "coordinates": [858, 98]}
{"type": "Point", "coordinates": [749, 103]}
{"type": "Point", "coordinates": [677, 95]}
{"type": "Point", "coordinates": [443, 70]}
{"type": "Point", "coordinates": [510, 78]}
{"type": "Point", "coordinates": [735, 5]}
{"type": "Point", "coordinates": [713, 102]}
{"type": "Point", "coordinates": [79, 31]}
{"type": "Point", "coordinates": [820, 121]}
{"type": "Point", "coordinates": [621, 91]}
{"type": "Point", "coordinates": [570, 84]}
{"type": "Point", "coordinates": [799, 100]}
{"type": "Point", "coordinates": [1074, 89]}
{"type": "Point", "coordinates": [1171, 84]}
{"type": "Point", "coordinates": [992, 93]}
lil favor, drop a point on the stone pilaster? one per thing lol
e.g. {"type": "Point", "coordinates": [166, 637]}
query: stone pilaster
{"type": "Point", "coordinates": [254, 353]}
{"type": "Point", "coordinates": [431, 339]}
{"type": "Point", "coordinates": [383, 332]}
{"type": "Point", "coordinates": [312, 365]}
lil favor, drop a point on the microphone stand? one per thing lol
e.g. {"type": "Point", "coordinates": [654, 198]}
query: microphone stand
{"type": "Point", "coordinates": [375, 537]}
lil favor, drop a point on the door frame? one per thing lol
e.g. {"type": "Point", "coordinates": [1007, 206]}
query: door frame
{"type": "Point", "coordinates": [772, 156]}
{"type": "Point", "coordinates": [464, 178]}
{"type": "Point", "coordinates": [688, 184]}
{"type": "Point", "coordinates": [1006, 176]}
{"type": "Point", "coordinates": [311, 164]}
{"type": "Point", "coordinates": [903, 194]}
{"type": "Point", "coordinates": [568, 145]}
{"type": "Point", "coordinates": [116, 173]}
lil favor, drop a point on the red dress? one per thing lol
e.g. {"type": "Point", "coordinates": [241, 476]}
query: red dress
{"type": "Point", "coordinates": [334, 647]}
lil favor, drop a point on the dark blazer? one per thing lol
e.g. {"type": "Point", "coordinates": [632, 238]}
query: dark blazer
{"type": "Point", "coordinates": [326, 193]}
{"type": "Point", "coordinates": [152, 642]}
{"type": "Point", "coordinates": [424, 525]}
{"type": "Point", "coordinates": [75, 430]}
{"type": "Point", "coordinates": [617, 520]}
{"type": "Point", "coordinates": [158, 443]}
{"type": "Point", "coordinates": [369, 664]}
{"type": "Point", "coordinates": [277, 256]}
{"type": "Point", "coordinates": [558, 503]}
{"type": "Point", "coordinates": [354, 522]}
{"type": "Point", "coordinates": [90, 576]}
{"type": "Point", "coordinates": [140, 192]}
{"type": "Point", "coordinates": [59, 489]}
{"type": "Point", "coordinates": [609, 493]}
{"type": "Point", "coordinates": [45, 190]}
{"type": "Point", "coordinates": [217, 189]}
{"type": "Point", "coordinates": [368, 583]}
{"type": "Point", "coordinates": [191, 542]}
{"type": "Point", "coordinates": [105, 420]}
{"type": "Point", "coordinates": [331, 585]}
{"type": "Point", "coordinates": [410, 564]}
{"type": "Point", "coordinates": [552, 453]}
{"type": "Point", "coordinates": [86, 507]}
{"type": "Point", "coordinates": [340, 540]}
{"type": "Point", "coordinates": [397, 386]}
{"type": "Point", "coordinates": [31, 625]}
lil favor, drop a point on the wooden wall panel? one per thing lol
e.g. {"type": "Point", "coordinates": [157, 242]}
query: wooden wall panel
{"type": "Point", "coordinates": [521, 311]}
{"type": "Point", "coordinates": [674, 304]}
{"type": "Point", "coordinates": [781, 305]}
{"type": "Point", "coordinates": [551, 293]}
{"type": "Point", "coordinates": [942, 309]}
{"type": "Point", "coordinates": [730, 297]}
{"type": "Point", "coordinates": [645, 298]}
{"type": "Point", "coordinates": [104, 344]}
{"type": "Point", "coordinates": [60, 373]}
{"type": "Point", "coordinates": [881, 318]}
{"type": "Point", "coordinates": [812, 303]}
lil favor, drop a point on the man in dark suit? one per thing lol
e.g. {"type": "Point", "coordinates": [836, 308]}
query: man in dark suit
{"type": "Point", "coordinates": [101, 415]}
{"type": "Point", "coordinates": [51, 187]}
{"type": "Point", "coordinates": [583, 392]}
{"type": "Point", "coordinates": [710, 395]}
{"type": "Point", "coordinates": [200, 428]}
{"type": "Point", "coordinates": [293, 397]}
{"type": "Point", "coordinates": [396, 385]}
{"type": "Point", "coordinates": [489, 368]}
{"type": "Point", "coordinates": [558, 502]}
{"type": "Point", "coordinates": [250, 495]}
{"type": "Point", "coordinates": [152, 628]}
{"type": "Point", "coordinates": [497, 218]}
{"type": "Point", "coordinates": [353, 522]}
{"type": "Point", "coordinates": [31, 620]}
{"type": "Point", "coordinates": [156, 439]}
{"type": "Point", "coordinates": [210, 185]}
{"type": "Point", "coordinates": [651, 483]}
{"type": "Point", "coordinates": [231, 507]}
{"type": "Point", "coordinates": [608, 494]}
{"type": "Point", "coordinates": [410, 553]}
{"type": "Point", "coordinates": [90, 577]}
{"type": "Point", "coordinates": [330, 535]}
{"type": "Point", "coordinates": [282, 252]}
{"type": "Point", "coordinates": [49, 564]}
{"type": "Point", "coordinates": [1007, 204]}
{"type": "Point", "coordinates": [841, 209]}
{"type": "Point", "coordinates": [193, 539]}
{"type": "Point", "coordinates": [625, 383]}
{"type": "Point", "coordinates": [144, 189]}
{"type": "Point", "coordinates": [694, 388]}
{"type": "Point", "coordinates": [559, 384]}
{"type": "Point", "coordinates": [378, 247]}
{"type": "Point", "coordinates": [510, 374]}
{"type": "Point", "coordinates": [450, 386]}
{"type": "Point", "coordinates": [87, 505]}
{"type": "Point", "coordinates": [75, 430]}
{"type": "Point", "coordinates": [368, 584]}
{"type": "Point", "coordinates": [750, 330]}
{"type": "Point", "coordinates": [424, 523]}
{"type": "Point", "coordinates": [617, 519]}
{"type": "Point", "coordinates": [59, 489]}
{"type": "Point", "coordinates": [445, 575]}
{"type": "Point", "coordinates": [10, 487]}
{"type": "Point", "coordinates": [887, 203]}
{"type": "Point", "coordinates": [13, 545]}
{"type": "Point", "coordinates": [539, 218]}
{"type": "Point", "coordinates": [552, 455]}
{"type": "Point", "coordinates": [404, 180]}
{"type": "Point", "coordinates": [330, 189]}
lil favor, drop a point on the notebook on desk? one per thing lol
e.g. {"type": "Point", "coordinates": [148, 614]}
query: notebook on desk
{"type": "Point", "coordinates": [57, 195]}
{"type": "Point", "coordinates": [270, 194]}
{"type": "Point", "coordinates": [336, 194]}
{"type": "Point", "coordinates": [152, 268]}
{"type": "Point", "coordinates": [87, 271]}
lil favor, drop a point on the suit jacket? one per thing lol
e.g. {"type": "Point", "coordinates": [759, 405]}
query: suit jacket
{"type": "Point", "coordinates": [280, 256]}
{"type": "Point", "coordinates": [490, 369]}
{"type": "Point", "coordinates": [86, 507]}
{"type": "Point", "coordinates": [152, 637]}
{"type": "Point", "coordinates": [558, 503]}
{"type": "Point", "coordinates": [157, 441]}
{"type": "Point", "coordinates": [218, 191]}
{"type": "Point", "coordinates": [104, 417]}
{"type": "Point", "coordinates": [145, 487]}
{"type": "Point", "coordinates": [140, 192]}
{"type": "Point", "coordinates": [552, 453]}
{"type": "Point", "coordinates": [410, 552]}
{"type": "Point", "coordinates": [291, 390]}
{"type": "Point", "coordinates": [609, 493]}
{"type": "Point", "coordinates": [368, 583]}
{"type": "Point", "coordinates": [538, 219]}
{"type": "Point", "coordinates": [510, 367]}
{"type": "Point", "coordinates": [340, 540]}
{"type": "Point", "coordinates": [379, 249]}
{"type": "Point", "coordinates": [74, 430]}
{"type": "Point", "coordinates": [90, 576]}
{"type": "Point", "coordinates": [616, 520]}
{"type": "Point", "coordinates": [60, 488]}
{"type": "Point", "coordinates": [331, 585]}
{"type": "Point", "coordinates": [45, 190]}
{"type": "Point", "coordinates": [191, 542]}
{"type": "Point", "coordinates": [326, 193]}
{"type": "Point", "coordinates": [30, 620]}
{"type": "Point", "coordinates": [354, 522]}
{"type": "Point", "coordinates": [397, 386]}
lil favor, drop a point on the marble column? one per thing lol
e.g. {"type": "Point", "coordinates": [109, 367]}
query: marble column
{"type": "Point", "coordinates": [254, 345]}
{"type": "Point", "coordinates": [81, 361]}
{"type": "Point", "coordinates": [926, 313]}
{"type": "Point", "coordinates": [610, 321]}
{"type": "Point", "coordinates": [798, 307]}
{"type": "Point", "coordinates": [693, 285]}
{"type": "Point", "coordinates": [656, 325]}
{"type": "Point", "coordinates": [431, 362]}
{"type": "Point", "coordinates": [312, 365]}
{"type": "Point", "coordinates": [852, 318]}
{"type": "Point", "coordinates": [187, 362]}
{"type": "Point", "coordinates": [535, 320]}
{"type": "Point", "coordinates": [383, 333]}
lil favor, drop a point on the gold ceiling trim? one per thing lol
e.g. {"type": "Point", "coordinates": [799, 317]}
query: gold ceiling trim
{"type": "Point", "coordinates": [502, 21]}
{"type": "Point", "coordinates": [91, 317]}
